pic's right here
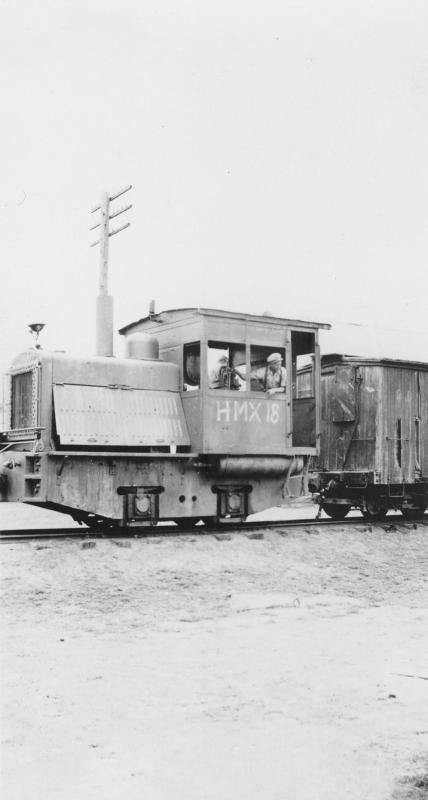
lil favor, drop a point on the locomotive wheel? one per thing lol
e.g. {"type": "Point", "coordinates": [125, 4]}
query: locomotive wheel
{"type": "Point", "coordinates": [186, 522]}
{"type": "Point", "coordinates": [190, 522]}
{"type": "Point", "coordinates": [209, 522]}
{"type": "Point", "coordinates": [336, 510]}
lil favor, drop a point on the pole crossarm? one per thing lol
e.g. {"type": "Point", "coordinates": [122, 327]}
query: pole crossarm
{"type": "Point", "coordinates": [120, 211]}
{"type": "Point", "coordinates": [111, 216]}
{"type": "Point", "coordinates": [111, 233]}
{"type": "Point", "coordinates": [112, 197]}
{"type": "Point", "coordinates": [121, 191]}
{"type": "Point", "coordinates": [118, 230]}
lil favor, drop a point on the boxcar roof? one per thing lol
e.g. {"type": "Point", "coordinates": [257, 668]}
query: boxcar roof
{"type": "Point", "coordinates": [177, 314]}
{"type": "Point", "coordinates": [339, 358]}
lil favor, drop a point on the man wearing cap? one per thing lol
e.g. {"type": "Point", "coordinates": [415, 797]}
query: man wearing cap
{"type": "Point", "coordinates": [222, 376]}
{"type": "Point", "coordinates": [272, 377]}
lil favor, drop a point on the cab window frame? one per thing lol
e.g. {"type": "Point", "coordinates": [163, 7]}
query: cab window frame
{"type": "Point", "coordinates": [263, 351]}
{"type": "Point", "coordinates": [214, 349]}
{"type": "Point", "coordinates": [191, 383]}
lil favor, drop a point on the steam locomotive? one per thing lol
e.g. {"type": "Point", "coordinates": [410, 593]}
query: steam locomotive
{"type": "Point", "coordinates": [132, 441]}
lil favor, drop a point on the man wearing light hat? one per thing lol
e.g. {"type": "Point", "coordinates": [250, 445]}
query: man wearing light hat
{"type": "Point", "coordinates": [274, 374]}
{"type": "Point", "coordinates": [272, 377]}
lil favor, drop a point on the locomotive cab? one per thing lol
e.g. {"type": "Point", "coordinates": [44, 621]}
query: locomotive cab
{"type": "Point", "coordinates": [236, 425]}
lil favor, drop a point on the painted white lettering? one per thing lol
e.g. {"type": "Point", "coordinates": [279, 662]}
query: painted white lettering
{"type": "Point", "coordinates": [274, 413]}
{"type": "Point", "coordinates": [254, 408]}
{"type": "Point", "coordinates": [223, 410]}
{"type": "Point", "coordinates": [240, 409]}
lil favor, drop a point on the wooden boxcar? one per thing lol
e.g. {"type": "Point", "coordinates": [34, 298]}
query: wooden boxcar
{"type": "Point", "coordinates": [374, 436]}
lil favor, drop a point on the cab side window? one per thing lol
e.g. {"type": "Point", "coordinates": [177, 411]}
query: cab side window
{"type": "Point", "coordinates": [191, 366]}
{"type": "Point", "coordinates": [267, 367]}
{"type": "Point", "coordinates": [226, 366]}
{"type": "Point", "coordinates": [303, 388]}
{"type": "Point", "coordinates": [303, 349]}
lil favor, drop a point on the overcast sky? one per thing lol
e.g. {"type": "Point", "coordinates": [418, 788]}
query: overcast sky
{"type": "Point", "coordinates": [277, 150]}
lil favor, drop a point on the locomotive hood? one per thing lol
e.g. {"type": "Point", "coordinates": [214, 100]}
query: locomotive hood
{"type": "Point", "coordinates": [99, 370]}
{"type": "Point", "coordinates": [98, 400]}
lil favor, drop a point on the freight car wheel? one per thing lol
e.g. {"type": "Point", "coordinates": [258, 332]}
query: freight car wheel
{"type": "Point", "coordinates": [375, 511]}
{"type": "Point", "coordinates": [414, 513]}
{"type": "Point", "coordinates": [336, 510]}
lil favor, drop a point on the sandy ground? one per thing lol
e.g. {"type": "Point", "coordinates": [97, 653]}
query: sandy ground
{"type": "Point", "coordinates": [233, 669]}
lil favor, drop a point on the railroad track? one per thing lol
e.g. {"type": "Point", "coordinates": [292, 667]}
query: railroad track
{"type": "Point", "coordinates": [251, 529]}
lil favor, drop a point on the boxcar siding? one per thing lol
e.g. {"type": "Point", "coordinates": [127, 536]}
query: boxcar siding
{"type": "Point", "coordinates": [381, 423]}
{"type": "Point", "coordinates": [423, 417]}
{"type": "Point", "coordinates": [400, 409]}
{"type": "Point", "coordinates": [337, 416]}
{"type": "Point", "coordinates": [364, 437]}
{"type": "Point", "coordinates": [349, 428]}
{"type": "Point", "coordinates": [326, 453]}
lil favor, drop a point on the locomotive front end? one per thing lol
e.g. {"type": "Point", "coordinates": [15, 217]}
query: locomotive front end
{"type": "Point", "coordinates": [21, 439]}
{"type": "Point", "coordinates": [80, 434]}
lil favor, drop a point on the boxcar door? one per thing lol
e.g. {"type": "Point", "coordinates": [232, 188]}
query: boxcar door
{"type": "Point", "coordinates": [400, 403]}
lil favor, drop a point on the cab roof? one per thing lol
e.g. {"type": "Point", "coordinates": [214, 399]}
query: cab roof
{"type": "Point", "coordinates": [177, 314]}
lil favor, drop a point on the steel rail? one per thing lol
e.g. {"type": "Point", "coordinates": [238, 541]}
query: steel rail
{"type": "Point", "coordinates": [392, 523]}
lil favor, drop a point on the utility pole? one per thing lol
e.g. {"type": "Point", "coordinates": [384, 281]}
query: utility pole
{"type": "Point", "coordinates": [104, 300]}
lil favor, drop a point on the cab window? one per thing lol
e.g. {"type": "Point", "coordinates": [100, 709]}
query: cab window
{"type": "Point", "coordinates": [303, 349]}
{"type": "Point", "coordinates": [304, 376]}
{"type": "Point", "coordinates": [191, 366]}
{"type": "Point", "coordinates": [303, 388]}
{"type": "Point", "coordinates": [261, 359]}
{"type": "Point", "coordinates": [226, 366]}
